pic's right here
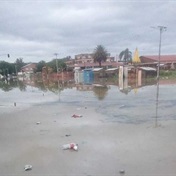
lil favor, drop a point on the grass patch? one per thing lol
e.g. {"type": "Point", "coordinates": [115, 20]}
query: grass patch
{"type": "Point", "coordinates": [168, 73]}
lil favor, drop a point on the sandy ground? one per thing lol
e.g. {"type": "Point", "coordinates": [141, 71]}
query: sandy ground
{"type": "Point", "coordinates": [105, 148]}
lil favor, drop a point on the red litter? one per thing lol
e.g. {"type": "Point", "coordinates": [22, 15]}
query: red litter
{"type": "Point", "coordinates": [76, 116]}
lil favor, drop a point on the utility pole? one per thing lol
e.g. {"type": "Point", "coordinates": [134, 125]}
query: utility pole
{"type": "Point", "coordinates": [161, 29]}
{"type": "Point", "coordinates": [56, 54]}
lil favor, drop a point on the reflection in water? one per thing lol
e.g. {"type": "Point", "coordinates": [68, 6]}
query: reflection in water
{"type": "Point", "coordinates": [157, 99]}
{"type": "Point", "coordinates": [105, 95]}
{"type": "Point", "coordinates": [100, 87]}
{"type": "Point", "coordinates": [8, 85]}
{"type": "Point", "coordinates": [100, 91]}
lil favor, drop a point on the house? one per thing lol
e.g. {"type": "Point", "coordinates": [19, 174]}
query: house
{"type": "Point", "coordinates": [166, 61]}
{"type": "Point", "coordinates": [84, 58]}
{"type": "Point", "coordinates": [29, 68]}
{"type": "Point", "coordinates": [87, 59]}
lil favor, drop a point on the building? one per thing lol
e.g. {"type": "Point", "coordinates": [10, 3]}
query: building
{"type": "Point", "coordinates": [84, 58]}
{"type": "Point", "coordinates": [166, 61]}
{"type": "Point", "coordinates": [70, 62]}
{"type": "Point", "coordinates": [29, 68]}
{"type": "Point", "coordinates": [88, 58]}
{"type": "Point", "coordinates": [87, 61]}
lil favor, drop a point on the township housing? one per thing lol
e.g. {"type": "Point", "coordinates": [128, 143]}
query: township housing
{"type": "Point", "coordinates": [83, 61]}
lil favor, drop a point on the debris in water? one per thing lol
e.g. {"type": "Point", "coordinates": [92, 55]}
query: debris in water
{"type": "Point", "coordinates": [38, 123]}
{"type": "Point", "coordinates": [27, 167]}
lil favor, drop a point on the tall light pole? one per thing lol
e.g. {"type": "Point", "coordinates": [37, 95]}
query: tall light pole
{"type": "Point", "coordinates": [161, 29]}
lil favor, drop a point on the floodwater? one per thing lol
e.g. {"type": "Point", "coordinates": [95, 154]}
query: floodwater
{"type": "Point", "coordinates": [132, 104]}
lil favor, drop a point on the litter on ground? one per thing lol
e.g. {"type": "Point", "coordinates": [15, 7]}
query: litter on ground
{"type": "Point", "coordinates": [72, 146]}
{"type": "Point", "coordinates": [76, 116]}
{"type": "Point", "coordinates": [67, 135]}
{"type": "Point", "coordinates": [27, 167]}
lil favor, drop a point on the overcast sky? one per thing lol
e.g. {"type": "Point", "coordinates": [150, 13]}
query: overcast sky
{"type": "Point", "coordinates": [35, 30]}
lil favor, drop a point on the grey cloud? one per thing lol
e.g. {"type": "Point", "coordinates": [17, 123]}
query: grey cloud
{"type": "Point", "coordinates": [37, 29]}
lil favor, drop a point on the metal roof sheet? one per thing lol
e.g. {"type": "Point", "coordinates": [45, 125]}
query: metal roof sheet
{"type": "Point", "coordinates": [112, 69]}
{"type": "Point", "coordinates": [97, 69]}
{"type": "Point", "coordinates": [148, 68]}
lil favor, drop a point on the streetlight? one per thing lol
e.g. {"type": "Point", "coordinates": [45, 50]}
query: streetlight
{"type": "Point", "coordinates": [161, 29]}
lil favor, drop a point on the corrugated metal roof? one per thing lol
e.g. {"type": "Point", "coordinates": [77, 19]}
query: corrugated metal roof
{"type": "Point", "coordinates": [148, 68]}
{"type": "Point", "coordinates": [112, 69]}
{"type": "Point", "coordinates": [163, 58]}
{"type": "Point", "coordinates": [97, 69]}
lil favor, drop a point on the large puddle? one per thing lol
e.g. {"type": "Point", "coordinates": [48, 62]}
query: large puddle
{"type": "Point", "coordinates": [137, 105]}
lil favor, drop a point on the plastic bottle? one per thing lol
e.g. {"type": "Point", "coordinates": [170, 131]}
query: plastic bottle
{"type": "Point", "coordinates": [70, 146]}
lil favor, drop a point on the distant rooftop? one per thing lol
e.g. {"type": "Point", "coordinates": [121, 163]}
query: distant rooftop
{"type": "Point", "coordinates": [163, 58]}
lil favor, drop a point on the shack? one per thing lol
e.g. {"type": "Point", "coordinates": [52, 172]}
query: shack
{"type": "Point", "coordinates": [78, 75]}
{"type": "Point", "coordinates": [88, 76]}
{"type": "Point", "coordinates": [146, 72]}
{"type": "Point", "coordinates": [110, 72]}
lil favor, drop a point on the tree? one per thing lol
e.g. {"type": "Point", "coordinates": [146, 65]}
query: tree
{"type": "Point", "coordinates": [6, 68]}
{"type": "Point", "coordinates": [100, 54]}
{"type": "Point", "coordinates": [60, 63]}
{"type": "Point", "coordinates": [126, 56]}
{"type": "Point", "coordinates": [40, 65]}
{"type": "Point", "coordinates": [19, 64]}
{"type": "Point", "coordinates": [100, 91]}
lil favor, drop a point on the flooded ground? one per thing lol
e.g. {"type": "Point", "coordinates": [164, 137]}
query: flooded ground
{"type": "Point", "coordinates": [119, 130]}
{"type": "Point", "coordinates": [135, 105]}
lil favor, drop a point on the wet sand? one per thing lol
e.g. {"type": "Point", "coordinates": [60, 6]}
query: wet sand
{"type": "Point", "coordinates": [105, 148]}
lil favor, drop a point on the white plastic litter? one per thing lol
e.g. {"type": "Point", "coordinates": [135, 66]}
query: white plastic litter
{"type": "Point", "coordinates": [73, 146]}
{"type": "Point", "coordinates": [27, 167]}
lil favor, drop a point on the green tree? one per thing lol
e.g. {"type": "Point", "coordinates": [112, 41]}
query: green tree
{"type": "Point", "coordinates": [125, 56]}
{"type": "Point", "coordinates": [40, 65]}
{"type": "Point", "coordinates": [61, 65]}
{"type": "Point", "coordinates": [6, 68]}
{"type": "Point", "coordinates": [19, 64]}
{"type": "Point", "coordinates": [100, 54]}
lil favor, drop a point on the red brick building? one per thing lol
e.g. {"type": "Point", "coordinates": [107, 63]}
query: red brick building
{"type": "Point", "coordinates": [167, 61]}
{"type": "Point", "coordinates": [29, 68]}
